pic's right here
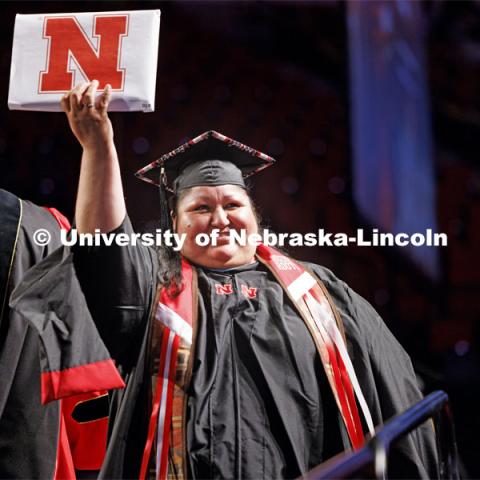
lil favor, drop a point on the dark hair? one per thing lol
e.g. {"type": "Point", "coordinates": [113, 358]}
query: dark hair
{"type": "Point", "coordinates": [169, 269]}
{"type": "Point", "coordinates": [170, 261]}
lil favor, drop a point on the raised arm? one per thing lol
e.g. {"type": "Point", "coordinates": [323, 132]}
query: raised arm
{"type": "Point", "coordinates": [100, 202]}
{"type": "Point", "coordinates": [117, 281]}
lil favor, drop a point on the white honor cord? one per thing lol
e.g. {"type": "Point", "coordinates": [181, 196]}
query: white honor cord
{"type": "Point", "coordinates": [324, 315]}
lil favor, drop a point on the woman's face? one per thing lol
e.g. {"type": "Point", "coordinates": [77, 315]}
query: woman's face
{"type": "Point", "coordinates": [226, 208]}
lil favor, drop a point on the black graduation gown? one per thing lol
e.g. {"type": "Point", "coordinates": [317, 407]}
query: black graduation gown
{"type": "Point", "coordinates": [29, 431]}
{"type": "Point", "coordinates": [259, 405]}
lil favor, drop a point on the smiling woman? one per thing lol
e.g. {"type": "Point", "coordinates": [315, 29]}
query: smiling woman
{"type": "Point", "coordinates": [223, 207]}
{"type": "Point", "coordinates": [240, 362]}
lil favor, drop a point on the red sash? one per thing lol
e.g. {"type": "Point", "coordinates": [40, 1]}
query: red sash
{"type": "Point", "coordinates": [311, 299]}
{"type": "Point", "coordinates": [176, 315]}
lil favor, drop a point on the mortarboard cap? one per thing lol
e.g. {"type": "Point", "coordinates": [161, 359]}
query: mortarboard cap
{"type": "Point", "coordinates": [209, 159]}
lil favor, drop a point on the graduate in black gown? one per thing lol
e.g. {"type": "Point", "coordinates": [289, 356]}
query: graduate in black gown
{"type": "Point", "coordinates": [229, 380]}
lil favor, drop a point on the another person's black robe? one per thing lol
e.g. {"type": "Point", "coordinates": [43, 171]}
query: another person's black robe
{"type": "Point", "coordinates": [31, 434]}
{"type": "Point", "coordinates": [24, 422]}
{"type": "Point", "coordinates": [259, 405]}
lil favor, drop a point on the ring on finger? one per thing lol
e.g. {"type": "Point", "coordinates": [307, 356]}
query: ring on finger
{"type": "Point", "coordinates": [90, 105]}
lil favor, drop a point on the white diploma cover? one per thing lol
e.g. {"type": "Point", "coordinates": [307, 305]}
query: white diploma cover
{"type": "Point", "coordinates": [53, 53]}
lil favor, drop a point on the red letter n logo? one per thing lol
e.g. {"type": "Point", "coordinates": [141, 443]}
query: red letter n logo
{"type": "Point", "coordinates": [249, 292]}
{"type": "Point", "coordinates": [67, 40]}
{"type": "Point", "coordinates": [225, 289]}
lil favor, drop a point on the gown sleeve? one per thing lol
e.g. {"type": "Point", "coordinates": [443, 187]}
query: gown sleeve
{"type": "Point", "coordinates": [119, 283]}
{"type": "Point", "coordinates": [386, 376]}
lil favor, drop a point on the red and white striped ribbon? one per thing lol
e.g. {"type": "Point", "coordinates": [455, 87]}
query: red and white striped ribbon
{"type": "Point", "coordinates": [161, 410]}
{"type": "Point", "coordinates": [302, 287]}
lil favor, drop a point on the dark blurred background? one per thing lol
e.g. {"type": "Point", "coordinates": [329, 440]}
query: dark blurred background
{"type": "Point", "coordinates": [280, 76]}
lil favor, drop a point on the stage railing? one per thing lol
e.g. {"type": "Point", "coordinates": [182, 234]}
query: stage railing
{"type": "Point", "coordinates": [375, 453]}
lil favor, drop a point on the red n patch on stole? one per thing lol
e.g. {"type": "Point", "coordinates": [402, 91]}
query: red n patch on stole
{"type": "Point", "coordinates": [66, 39]}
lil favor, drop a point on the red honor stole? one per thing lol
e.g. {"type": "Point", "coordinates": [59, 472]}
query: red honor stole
{"type": "Point", "coordinates": [311, 299]}
{"type": "Point", "coordinates": [176, 317]}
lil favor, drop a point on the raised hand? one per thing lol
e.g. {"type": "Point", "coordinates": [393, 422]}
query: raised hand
{"type": "Point", "coordinates": [88, 116]}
